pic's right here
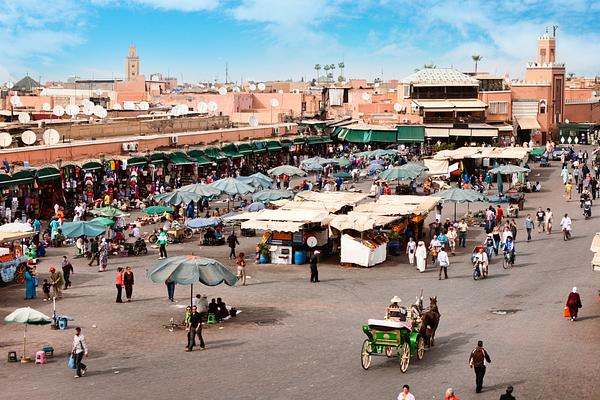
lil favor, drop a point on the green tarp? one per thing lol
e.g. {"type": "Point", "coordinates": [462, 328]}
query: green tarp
{"type": "Point", "coordinates": [411, 134]}
{"type": "Point", "coordinates": [137, 161]}
{"type": "Point", "coordinates": [273, 146]}
{"type": "Point", "coordinates": [215, 154]}
{"type": "Point", "coordinates": [4, 179]}
{"type": "Point", "coordinates": [286, 143]}
{"type": "Point", "coordinates": [299, 140]}
{"type": "Point", "coordinates": [355, 135]}
{"type": "Point", "coordinates": [23, 177]}
{"type": "Point", "coordinates": [315, 140]}
{"type": "Point", "coordinates": [91, 166]}
{"type": "Point", "coordinates": [326, 139]}
{"type": "Point", "coordinates": [178, 160]}
{"type": "Point", "coordinates": [48, 174]}
{"type": "Point", "coordinates": [157, 158]}
{"type": "Point", "coordinates": [383, 136]}
{"type": "Point", "coordinates": [259, 147]}
{"type": "Point", "coordinates": [231, 151]}
{"type": "Point", "coordinates": [244, 148]}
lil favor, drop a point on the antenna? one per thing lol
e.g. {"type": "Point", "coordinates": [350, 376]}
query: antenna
{"type": "Point", "coordinates": [226, 72]}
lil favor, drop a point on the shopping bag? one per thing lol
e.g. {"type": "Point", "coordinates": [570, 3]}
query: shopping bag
{"type": "Point", "coordinates": [71, 361]}
{"type": "Point", "coordinates": [566, 312]}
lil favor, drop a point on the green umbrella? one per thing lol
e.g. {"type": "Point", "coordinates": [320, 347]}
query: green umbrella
{"type": "Point", "coordinates": [538, 151]}
{"type": "Point", "coordinates": [83, 228]}
{"type": "Point", "coordinates": [262, 176]}
{"type": "Point", "coordinates": [187, 270]}
{"type": "Point", "coordinates": [104, 221]}
{"type": "Point", "coordinates": [455, 195]}
{"type": "Point", "coordinates": [288, 170]}
{"type": "Point", "coordinates": [343, 175]}
{"type": "Point", "coordinates": [318, 160]}
{"type": "Point", "coordinates": [232, 186]}
{"type": "Point", "coordinates": [414, 166]}
{"type": "Point", "coordinates": [108, 212]}
{"type": "Point", "coordinates": [200, 189]}
{"type": "Point", "coordinates": [344, 162]}
{"type": "Point", "coordinates": [255, 181]}
{"type": "Point", "coordinates": [27, 316]}
{"type": "Point", "coordinates": [266, 196]}
{"type": "Point", "coordinates": [177, 197]}
{"type": "Point", "coordinates": [382, 153]}
{"type": "Point", "coordinates": [399, 174]}
{"type": "Point", "coordinates": [508, 169]}
{"type": "Point", "coordinates": [157, 210]}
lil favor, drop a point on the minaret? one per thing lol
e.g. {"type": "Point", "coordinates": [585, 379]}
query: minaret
{"type": "Point", "coordinates": [132, 64]}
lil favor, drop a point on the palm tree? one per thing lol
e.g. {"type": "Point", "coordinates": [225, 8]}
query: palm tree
{"type": "Point", "coordinates": [341, 66]}
{"type": "Point", "coordinates": [426, 66]}
{"type": "Point", "coordinates": [317, 68]}
{"type": "Point", "coordinates": [476, 58]}
{"type": "Point", "coordinates": [570, 76]}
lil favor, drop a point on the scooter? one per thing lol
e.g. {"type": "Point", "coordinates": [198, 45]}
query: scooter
{"type": "Point", "coordinates": [587, 209]}
{"type": "Point", "coordinates": [139, 247]}
{"type": "Point", "coordinates": [479, 270]}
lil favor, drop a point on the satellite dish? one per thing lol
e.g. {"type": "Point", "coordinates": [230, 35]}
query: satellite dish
{"type": "Point", "coordinates": [280, 91]}
{"type": "Point", "coordinates": [51, 136]}
{"type": "Point", "coordinates": [144, 105]}
{"type": "Point", "coordinates": [202, 107]}
{"type": "Point", "coordinates": [117, 106]}
{"type": "Point", "coordinates": [46, 107]}
{"type": "Point", "coordinates": [397, 107]}
{"type": "Point", "coordinates": [98, 111]}
{"type": "Point", "coordinates": [72, 110]}
{"type": "Point", "coordinates": [183, 109]}
{"type": "Point", "coordinates": [212, 106]}
{"type": "Point", "coordinates": [103, 113]}
{"type": "Point", "coordinates": [15, 101]}
{"type": "Point", "coordinates": [129, 105]}
{"type": "Point", "coordinates": [252, 87]}
{"type": "Point", "coordinates": [28, 137]}
{"type": "Point", "coordinates": [376, 84]}
{"type": "Point", "coordinates": [5, 139]}
{"type": "Point", "coordinates": [366, 96]}
{"type": "Point", "coordinates": [274, 103]}
{"type": "Point", "coordinates": [566, 121]}
{"type": "Point", "coordinates": [261, 86]}
{"type": "Point", "coordinates": [223, 91]}
{"type": "Point", "coordinates": [10, 84]}
{"type": "Point", "coordinates": [59, 111]}
{"type": "Point", "coordinates": [88, 109]}
{"type": "Point", "coordinates": [252, 121]}
{"type": "Point", "coordinates": [154, 78]}
{"type": "Point", "coordinates": [175, 111]}
{"type": "Point", "coordinates": [24, 118]}
{"type": "Point", "coordinates": [98, 92]}
{"type": "Point", "coordinates": [236, 89]}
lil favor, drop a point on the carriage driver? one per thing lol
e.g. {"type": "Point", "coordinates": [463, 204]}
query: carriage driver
{"type": "Point", "coordinates": [396, 312]}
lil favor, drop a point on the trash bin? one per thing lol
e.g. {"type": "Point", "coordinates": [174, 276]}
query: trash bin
{"type": "Point", "coordinates": [299, 257]}
{"type": "Point", "coordinates": [62, 323]}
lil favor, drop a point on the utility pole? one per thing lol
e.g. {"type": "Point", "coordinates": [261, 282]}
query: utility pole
{"type": "Point", "coordinates": [226, 72]}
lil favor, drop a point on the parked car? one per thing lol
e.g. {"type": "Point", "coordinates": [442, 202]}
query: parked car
{"type": "Point", "coordinates": [558, 150]}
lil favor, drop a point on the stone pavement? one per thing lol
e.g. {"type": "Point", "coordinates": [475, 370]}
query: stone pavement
{"type": "Point", "coordinates": [297, 340]}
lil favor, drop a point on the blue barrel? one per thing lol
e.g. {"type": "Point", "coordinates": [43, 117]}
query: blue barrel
{"type": "Point", "coordinates": [262, 259]}
{"type": "Point", "coordinates": [299, 257]}
{"type": "Point", "coordinates": [62, 323]}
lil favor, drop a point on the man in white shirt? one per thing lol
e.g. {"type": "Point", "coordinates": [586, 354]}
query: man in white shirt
{"type": "Point", "coordinates": [79, 349]}
{"type": "Point", "coordinates": [565, 225]}
{"type": "Point", "coordinates": [444, 263]}
{"type": "Point", "coordinates": [405, 394]}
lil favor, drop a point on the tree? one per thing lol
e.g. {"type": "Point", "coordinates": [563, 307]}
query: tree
{"type": "Point", "coordinates": [317, 68]}
{"type": "Point", "coordinates": [341, 66]}
{"type": "Point", "coordinates": [476, 58]}
{"type": "Point", "coordinates": [570, 76]}
{"type": "Point", "coordinates": [341, 79]}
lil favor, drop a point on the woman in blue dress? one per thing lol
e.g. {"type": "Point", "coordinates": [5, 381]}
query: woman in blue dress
{"type": "Point", "coordinates": [29, 284]}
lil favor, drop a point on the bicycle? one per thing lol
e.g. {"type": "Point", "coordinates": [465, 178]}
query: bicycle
{"type": "Point", "coordinates": [508, 260]}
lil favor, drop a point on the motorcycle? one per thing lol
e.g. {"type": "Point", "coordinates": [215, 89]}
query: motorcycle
{"type": "Point", "coordinates": [153, 237]}
{"type": "Point", "coordinates": [139, 247]}
{"type": "Point", "coordinates": [509, 260]}
{"type": "Point", "coordinates": [479, 270]}
{"type": "Point", "coordinates": [587, 209]}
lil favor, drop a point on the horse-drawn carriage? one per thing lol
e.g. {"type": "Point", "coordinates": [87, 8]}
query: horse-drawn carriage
{"type": "Point", "coordinates": [406, 338]}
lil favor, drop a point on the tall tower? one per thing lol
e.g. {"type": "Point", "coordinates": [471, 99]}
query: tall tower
{"type": "Point", "coordinates": [132, 64]}
{"type": "Point", "coordinates": [546, 49]}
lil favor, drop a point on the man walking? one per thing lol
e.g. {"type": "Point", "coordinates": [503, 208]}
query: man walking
{"type": "Point", "coordinates": [462, 233]}
{"type": "Point", "coordinates": [444, 262]}
{"type": "Point", "coordinates": [162, 242]}
{"type": "Point", "coordinates": [540, 216]}
{"type": "Point", "coordinates": [314, 272]}
{"type": "Point", "coordinates": [528, 226]}
{"type": "Point", "coordinates": [79, 349]}
{"type": "Point", "coordinates": [194, 328]}
{"type": "Point", "coordinates": [95, 252]}
{"type": "Point", "coordinates": [56, 277]}
{"type": "Point", "coordinates": [477, 361]}
{"type": "Point", "coordinates": [232, 241]}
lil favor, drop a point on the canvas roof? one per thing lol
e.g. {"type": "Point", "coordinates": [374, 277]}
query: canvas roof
{"type": "Point", "coordinates": [278, 226]}
{"type": "Point", "coordinates": [360, 221]}
{"type": "Point", "coordinates": [440, 77]}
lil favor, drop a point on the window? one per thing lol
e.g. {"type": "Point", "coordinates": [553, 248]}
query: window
{"type": "Point", "coordinates": [498, 107]}
{"type": "Point", "coordinates": [406, 91]}
{"type": "Point", "coordinates": [542, 106]}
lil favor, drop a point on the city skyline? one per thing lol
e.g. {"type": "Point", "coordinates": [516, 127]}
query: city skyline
{"type": "Point", "coordinates": [192, 40]}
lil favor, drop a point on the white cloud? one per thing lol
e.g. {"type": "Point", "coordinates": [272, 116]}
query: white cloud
{"type": "Point", "coordinates": [179, 5]}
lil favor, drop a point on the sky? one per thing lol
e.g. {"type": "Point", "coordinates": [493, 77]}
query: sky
{"type": "Point", "coordinates": [284, 39]}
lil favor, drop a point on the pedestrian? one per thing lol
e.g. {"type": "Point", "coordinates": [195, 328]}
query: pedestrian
{"type": "Point", "coordinates": [451, 235]}
{"type": "Point", "coordinates": [477, 361]}
{"type": "Point", "coordinates": [508, 395]}
{"type": "Point", "coordinates": [573, 303]}
{"type": "Point", "coordinates": [411, 246]}
{"type": "Point", "coordinates": [444, 263]}
{"type": "Point", "coordinates": [56, 277]}
{"type": "Point", "coordinates": [194, 327]}
{"type": "Point", "coordinates": [30, 284]}
{"type": "Point", "coordinates": [170, 289]}
{"type": "Point", "coordinates": [67, 269]}
{"type": "Point", "coordinates": [241, 268]}
{"type": "Point", "coordinates": [162, 242]}
{"type": "Point", "coordinates": [528, 226]}
{"type": "Point", "coordinates": [314, 271]}
{"type": "Point", "coordinates": [103, 255]}
{"type": "Point", "coordinates": [540, 216]}
{"type": "Point", "coordinates": [568, 190]}
{"type": "Point", "coordinates": [499, 214]}
{"type": "Point", "coordinates": [512, 226]}
{"type": "Point", "coordinates": [548, 221]}
{"type": "Point", "coordinates": [449, 395]}
{"type": "Point", "coordinates": [46, 289]}
{"type": "Point", "coordinates": [421, 256]}
{"type": "Point", "coordinates": [95, 252]}
{"type": "Point", "coordinates": [566, 226]}
{"type": "Point", "coordinates": [405, 394]}
{"type": "Point", "coordinates": [462, 233]}
{"type": "Point", "coordinates": [119, 284]}
{"type": "Point", "coordinates": [128, 282]}
{"type": "Point", "coordinates": [232, 241]}
{"type": "Point", "coordinates": [79, 349]}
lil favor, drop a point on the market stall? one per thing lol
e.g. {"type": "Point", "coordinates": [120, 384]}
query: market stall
{"type": "Point", "coordinates": [13, 260]}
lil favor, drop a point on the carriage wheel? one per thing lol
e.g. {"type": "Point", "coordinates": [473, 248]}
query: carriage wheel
{"type": "Point", "coordinates": [405, 357]}
{"type": "Point", "coordinates": [20, 273]}
{"type": "Point", "coordinates": [152, 239]}
{"type": "Point", "coordinates": [365, 356]}
{"type": "Point", "coordinates": [420, 348]}
{"type": "Point", "coordinates": [388, 351]}
{"type": "Point", "coordinates": [188, 233]}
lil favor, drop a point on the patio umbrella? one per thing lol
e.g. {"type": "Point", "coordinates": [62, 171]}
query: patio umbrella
{"type": "Point", "coordinates": [255, 181]}
{"type": "Point", "coordinates": [16, 227]}
{"type": "Point", "coordinates": [260, 175]}
{"type": "Point", "coordinates": [104, 221]}
{"type": "Point", "coordinates": [343, 162]}
{"type": "Point", "coordinates": [200, 223]}
{"type": "Point", "coordinates": [399, 174]}
{"type": "Point", "coordinates": [382, 153]}
{"type": "Point", "coordinates": [178, 197]}
{"type": "Point", "coordinates": [265, 196]}
{"type": "Point", "coordinates": [318, 160]}
{"type": "Point", "coordinates": [256, 206]}
{"type": "Point", "coordinates": [311, 167]}
{"type": "Point", "coordinates": [232, 186]}
{"type": "Point", "coordinates": [343, 175]}
{"type": "Point", "coordinates": [27, 316]}
{"type": "Point", "coordinates": [108, 212]}
{"type": "Point", "coordinates": [373, 168]}
{"type": "Point", "coordinates": [508, 169]}
{"type": "Point", "coordinates": [538, 151]}
{"type": "Point", "coordinates": [83, 228]}
{"type": "Point", "coordinates": [157, 210]}
{"type": "Point", "coordinates": [414, 166]}
{"type": "Point", "coordinates": [455, 195]}
{"type": "Point", "coordinates": [187, 270]}
{"type": "Point", "coordinates": [288, 170]}
{"type": "Point", "coordinates": [201, 190]}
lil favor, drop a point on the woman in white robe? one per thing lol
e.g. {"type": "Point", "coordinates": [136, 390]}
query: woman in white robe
{"type": "Point", "coordinates": [421, 256]}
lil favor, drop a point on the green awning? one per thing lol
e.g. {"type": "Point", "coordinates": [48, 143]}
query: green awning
{"type": "Point", "coordinates": [215, 154]}
{"type": "Point", "coordinates": [273, 146]}
{"type": "Point", "coordinates": [314, 140]}
{"type": "Point", "coordinates": [411, 134]}
{"type": "Point", "coordinates": [4, 179]}
{"type": "Point", "coordinates": [286, 143]}
{"type": "Point", "coordinates": [202, 160]}
{"type": "Point", "coordinates": [157, 158]}
{"type": "Point", "coordinates": [137, 161]}
{"type": "Point", "coordinates": [336, 131]}
{"type": "Point", "coordinates": [231, 151]}
{"type": "Point", "coordinates": [259, 147]}
{"type": "Point", "coordinates": [355, 135]}
{"type": "Point", "coordinates": [299, 140]}
{"type": "Point", "coordinates": [383, 136]}
{"type": "Point", "coordinates": [92, 166]}
{"type": "Point", "coordinates": [244, 148]}
{"type": "Point", "coordinates": [195, 153]}
{"type": "Point", "coordinates": [48, 174]}
{"type": "Point", "coordinates": [23, 177]}
{"type": "Point", "coordinates": [178, 160]}
{"type": "Point", "coordinates": [326, 139]}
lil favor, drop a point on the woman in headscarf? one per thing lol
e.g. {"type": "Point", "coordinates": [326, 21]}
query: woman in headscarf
{"type": "Point", "coordinates": [30, 284]}
{"type": "Point", "coordinates": [103, 255]}
{"type": "Point", "coordinates": [573, 303]}
{"type": "Point", "coordinates": [421, 256]}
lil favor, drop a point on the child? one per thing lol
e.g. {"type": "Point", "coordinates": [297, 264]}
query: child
{"type": "Point", "coordinates": [46, 289]}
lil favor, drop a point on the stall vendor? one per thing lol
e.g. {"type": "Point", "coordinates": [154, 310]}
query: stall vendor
{"type": "Point", "coordinates": [31, 255]}
{"type": "Point", "coordinates": [396, 312]}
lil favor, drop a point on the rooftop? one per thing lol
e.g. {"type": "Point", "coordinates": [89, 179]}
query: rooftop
{"type": "Point", "coordinates": [440, 77]}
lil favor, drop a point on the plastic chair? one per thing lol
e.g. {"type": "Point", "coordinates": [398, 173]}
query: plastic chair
{"type": "Point", "coordinates": [211, 319]}
{"type": "Point", "coordinates": [49, 350]}
{"type": "Point", "coordinates": [40, 357]}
